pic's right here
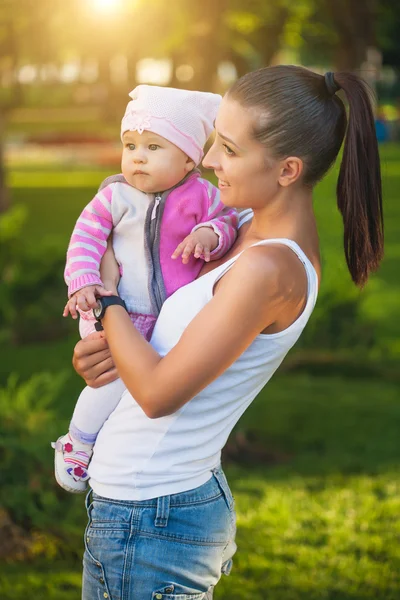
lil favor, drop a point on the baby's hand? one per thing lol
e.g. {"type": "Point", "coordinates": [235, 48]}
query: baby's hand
{"type": "Point", "coordinates": [84, 299]}
{"type": "Point", "coordinates": [200, 243]}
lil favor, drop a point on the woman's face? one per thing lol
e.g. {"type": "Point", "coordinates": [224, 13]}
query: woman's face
{"type": "Point", "coordinates": [247, 177]}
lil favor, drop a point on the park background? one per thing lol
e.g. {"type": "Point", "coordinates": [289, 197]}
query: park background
{"type": "Point", "coordinates": [314, 463]}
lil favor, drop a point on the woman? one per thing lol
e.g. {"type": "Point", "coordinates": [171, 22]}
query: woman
{"type": "Point", "coordinates": [161, 519]}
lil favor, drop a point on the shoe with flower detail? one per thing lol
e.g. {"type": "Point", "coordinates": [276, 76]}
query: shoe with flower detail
{"type": "Point", "coordinates": [71, 462]}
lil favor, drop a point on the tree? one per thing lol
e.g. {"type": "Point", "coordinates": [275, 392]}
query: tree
{"type": "Point", "coordinates": [340, 32]}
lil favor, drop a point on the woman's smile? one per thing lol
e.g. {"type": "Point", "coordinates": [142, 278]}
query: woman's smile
{"type": "Point", "coordinates": [222, 184]}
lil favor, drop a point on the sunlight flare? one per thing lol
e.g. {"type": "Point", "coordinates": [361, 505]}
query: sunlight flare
{"type": "Point", "coordinates": [106, 5]}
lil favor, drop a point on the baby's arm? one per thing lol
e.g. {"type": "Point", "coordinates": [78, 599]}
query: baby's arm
{"type": "Point", "coordinates": [216, 230]}
{"type": "Point", "coordinates": [86, 248]}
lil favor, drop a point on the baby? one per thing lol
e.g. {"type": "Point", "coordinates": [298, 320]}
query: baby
{"type": "Point", "coordinates": [156, 210]}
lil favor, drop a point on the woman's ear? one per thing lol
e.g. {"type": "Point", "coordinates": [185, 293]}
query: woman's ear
{"type": "Point", "coordinates": [189, 166]}
{"type": "Point", "coordinates": [291, 170]}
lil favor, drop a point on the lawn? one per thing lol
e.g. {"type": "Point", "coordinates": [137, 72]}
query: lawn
{"type": "Point", "coordinates": [313, 464]}
{"type": "Point", "coordinates": [317, 494]}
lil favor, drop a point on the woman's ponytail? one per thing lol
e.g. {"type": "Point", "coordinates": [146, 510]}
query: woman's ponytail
{"type": "Point", "coordinates": [359, 187]}
{"type": "Point", "coordinates": [306, 118]}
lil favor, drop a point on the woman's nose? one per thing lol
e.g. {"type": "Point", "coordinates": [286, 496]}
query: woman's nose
{"type": "Point", "coordinates": [210, 160]}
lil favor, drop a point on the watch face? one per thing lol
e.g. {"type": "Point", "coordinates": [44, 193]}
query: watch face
{"type": "Point", "coordinates": [98, 310]}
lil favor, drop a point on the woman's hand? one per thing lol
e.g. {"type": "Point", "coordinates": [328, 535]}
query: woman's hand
{"type": "Point", "coordinates": [109, 269]}
{"type": "Point", "coordinates": [92, 360]}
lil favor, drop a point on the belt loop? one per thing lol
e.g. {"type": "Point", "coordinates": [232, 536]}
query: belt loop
{"type": "Point", "coordinates": [163, 503]}
{"type": "Point", "coordinates": [224, 486]}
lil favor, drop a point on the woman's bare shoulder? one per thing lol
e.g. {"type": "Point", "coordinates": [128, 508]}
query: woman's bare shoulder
{"type": "Point", "coordinates": [270, 270]}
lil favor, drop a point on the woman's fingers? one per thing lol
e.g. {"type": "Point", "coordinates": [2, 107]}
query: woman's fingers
{"type": "Point", "coordinates": [84, 363]}
{"type": "Point", "coordinates": [99, 373]}
{"type": "Point", "coordinates": [92, 360]}
{"type": "Point", "coordinates": [87, 349]}
{"type": "Point", "coordinates": [90, 351]}
{"type": "Point", "coordinates": [104, 378]}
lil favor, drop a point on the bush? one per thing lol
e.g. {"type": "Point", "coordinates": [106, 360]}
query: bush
{"type": "Point", "coordinates": [27, 427]}
{"type": "Point", "coordinates": [28, 491]}
{"type": "Point", "coordinates": [32, 290]}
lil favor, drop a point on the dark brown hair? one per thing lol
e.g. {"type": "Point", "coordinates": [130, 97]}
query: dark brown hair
{"type": "Point", "coordinates": [300, 115]}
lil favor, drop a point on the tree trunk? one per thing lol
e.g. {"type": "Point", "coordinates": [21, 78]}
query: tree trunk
{"type": "Point", "coordinates": [269, 36]}
{"type": "Point", "coordinates": [354, 22]}
{"type": "Point", "coordinates": [206, 44]}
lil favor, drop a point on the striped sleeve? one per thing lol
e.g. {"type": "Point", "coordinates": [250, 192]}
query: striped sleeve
{"type": "Point", "coordinates": [89, 242]}
{"type": "Point", "coordinates": [223, 220]}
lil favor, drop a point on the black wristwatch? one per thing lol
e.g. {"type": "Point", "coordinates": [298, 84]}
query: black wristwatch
{"type": "Point", "coordinates": [103, 302]}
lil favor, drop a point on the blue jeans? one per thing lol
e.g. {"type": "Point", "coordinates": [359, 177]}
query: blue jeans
{"type": "Point", "coordinates": [169, 548]}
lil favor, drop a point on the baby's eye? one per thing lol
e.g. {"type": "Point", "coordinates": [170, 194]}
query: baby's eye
{"type": "Point", "coordinates": [153, 147]}
{"type": "Point", "coordinates": [228, 150]}
{"type": "Point", "coordinates": [131, 146]}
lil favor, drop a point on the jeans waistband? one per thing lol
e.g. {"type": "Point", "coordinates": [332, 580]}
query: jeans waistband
{"type": "Point", "coordinates": [216, 485]}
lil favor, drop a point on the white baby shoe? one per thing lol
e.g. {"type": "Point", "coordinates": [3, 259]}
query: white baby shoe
{"type": "Point", "coordinates": [71, 462]}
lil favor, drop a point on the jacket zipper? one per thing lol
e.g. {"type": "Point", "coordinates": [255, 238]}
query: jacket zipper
{"type": "Point", "coordinates": [158, 296]}
{"type": "Point", "coordinates": [157, 201]}
{"type": "Point", "coordinates": [157, 286]}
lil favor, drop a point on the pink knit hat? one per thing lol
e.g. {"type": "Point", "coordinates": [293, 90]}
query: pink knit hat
{"type": "Point", "coordinates": [183, 117]}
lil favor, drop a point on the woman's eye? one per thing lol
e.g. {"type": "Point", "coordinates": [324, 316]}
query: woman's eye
{"type": "Point", "coordinates": [153, 147]}
{"type": "Point", "coordinates": [131, 146]}
{"type": "Point", "coordinates": [228, 150]}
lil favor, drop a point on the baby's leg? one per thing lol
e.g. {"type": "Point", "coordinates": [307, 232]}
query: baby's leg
{"type": "Point", "coordinates": [74, 450]}
{"type": "Point", "coordinates": [95, 405]}
{"type": "Point", "coordinates": [93, 408]}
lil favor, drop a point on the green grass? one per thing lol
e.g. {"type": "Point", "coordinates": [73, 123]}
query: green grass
{"type": "Point", "coordinates": [321, 523]}
{"type": "Point", "coordinates": [324, 523]}
{"type": "Point", "coordinates": [318, 487]}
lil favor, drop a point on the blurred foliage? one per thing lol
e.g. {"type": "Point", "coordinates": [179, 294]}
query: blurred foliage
{"type": "Point", "coordinates": [27, 420]}
{"type": "Point", "coordinates": [28, 492]}
{"type": "Point", "coordinates": [249, 33]}
{"type": "Point", "coordinates": [31, 287]}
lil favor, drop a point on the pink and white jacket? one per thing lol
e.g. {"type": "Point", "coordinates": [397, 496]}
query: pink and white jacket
{"type": "Point", "coordinates": [146, 229]}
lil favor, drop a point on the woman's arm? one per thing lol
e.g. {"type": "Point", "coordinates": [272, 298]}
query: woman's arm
{"type": "Point", "coordinates": [264, 283]}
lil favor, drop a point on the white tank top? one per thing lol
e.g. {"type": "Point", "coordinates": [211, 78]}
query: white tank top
{"type": "Point", "coordinates": [138, 458]}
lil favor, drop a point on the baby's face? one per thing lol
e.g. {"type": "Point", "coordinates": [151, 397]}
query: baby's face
{"type": "Point", "coordinates": [151, 163]}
